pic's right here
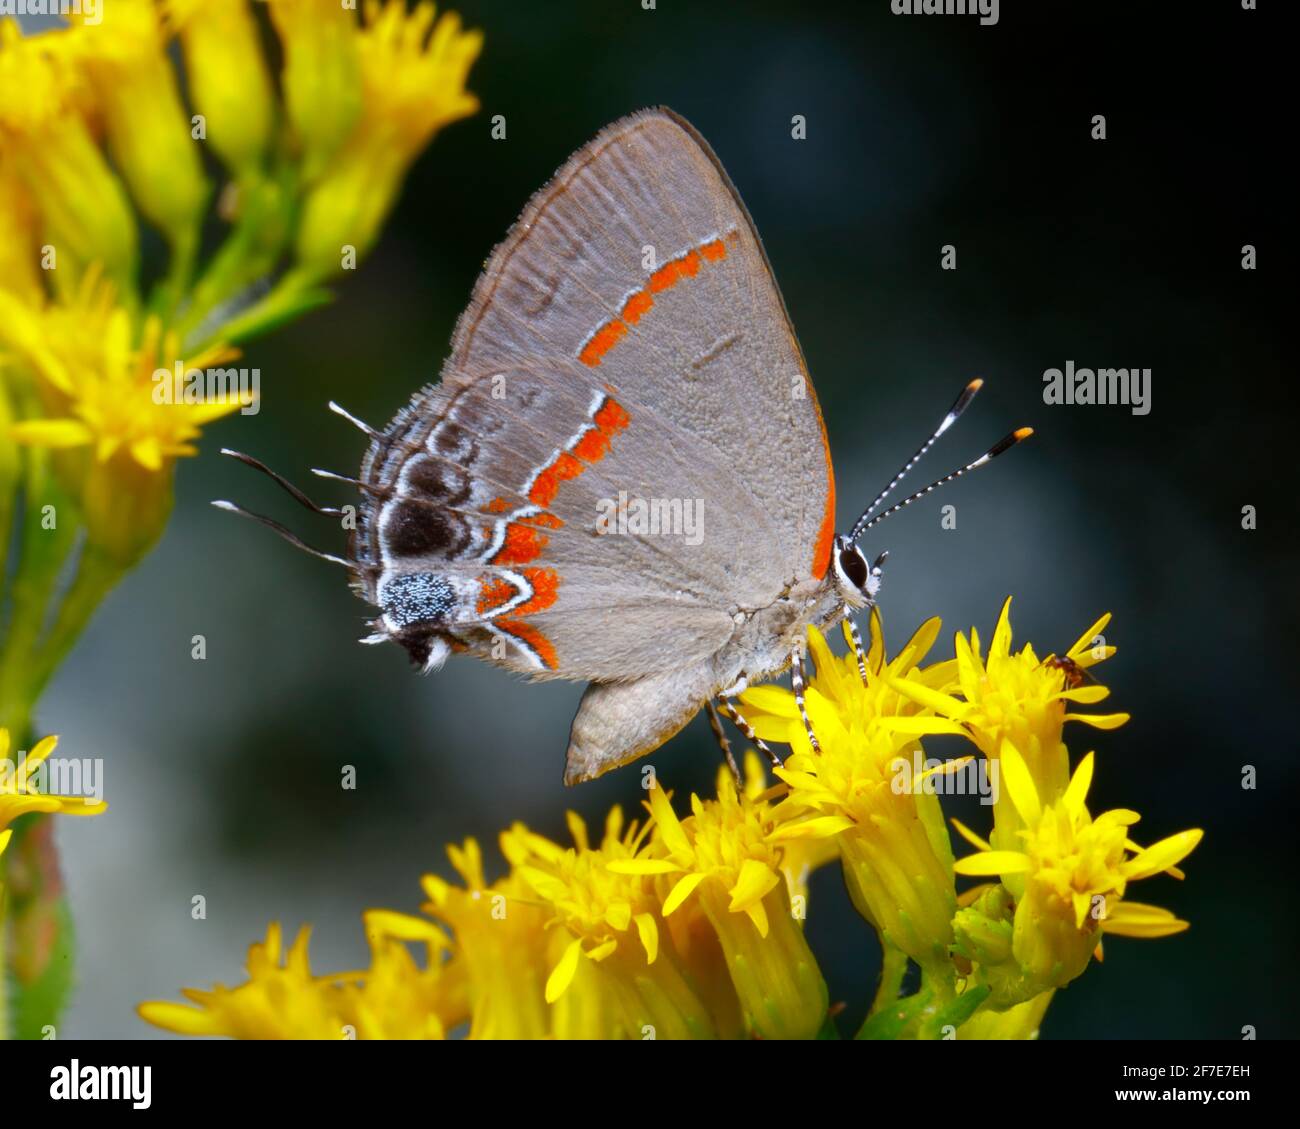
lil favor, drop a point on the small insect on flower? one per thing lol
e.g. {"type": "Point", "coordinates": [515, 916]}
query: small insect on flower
{"type": "Point", "coordinates": [1075, 675]}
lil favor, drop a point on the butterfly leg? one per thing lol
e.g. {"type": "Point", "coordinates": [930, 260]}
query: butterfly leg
{"type": "Point", "coordinates": [855, 641]}
{"type": "Point", "coordinates": [748, 730]}
{"type": "Point", "coordinates": [715, 723]}
{"type": "Point", "coordinates": [797, 680]}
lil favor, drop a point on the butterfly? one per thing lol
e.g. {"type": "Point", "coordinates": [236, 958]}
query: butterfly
{"type": "Point", "coordinates": [626, 362]}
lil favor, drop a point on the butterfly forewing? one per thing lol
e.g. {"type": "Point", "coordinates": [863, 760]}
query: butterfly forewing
{"type": "Point", "coordinates": [626, 344]}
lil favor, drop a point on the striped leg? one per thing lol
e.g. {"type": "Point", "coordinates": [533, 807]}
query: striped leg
{"type": "Point", "coordinates": [797, 680]}
{"type": "Point", "coordinates": [715, 723]}
{"type": "Point", "coordinates": [748, 730]}
{"type": "Point", "coordinates": [855, 641]}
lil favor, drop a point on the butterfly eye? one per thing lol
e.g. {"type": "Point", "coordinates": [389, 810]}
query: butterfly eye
{"type": "Point", "coordinates": [854, 567]}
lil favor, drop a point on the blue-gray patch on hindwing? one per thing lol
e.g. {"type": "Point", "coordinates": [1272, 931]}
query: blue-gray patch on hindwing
{"type": "Point", "coordinates": [417, 597]}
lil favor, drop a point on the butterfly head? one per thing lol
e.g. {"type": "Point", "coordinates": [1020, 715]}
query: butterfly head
{"type": "Point", "coordinates": [855, 580]}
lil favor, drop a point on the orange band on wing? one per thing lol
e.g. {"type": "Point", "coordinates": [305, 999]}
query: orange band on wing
{"type": "Point", "coordinates": [546, 583]}
{"type": "Point", "coordinates": [540, 645]}
{"type": "Point", "coordinates": [547, 483]}
{"type": "Point", "coordinates": [826, 535]}
{"type": "Point", "coordinates": [522, 544]}
{"type": "Point", "coordinates": [635, 306]}
{"type": "Point", "coordinates": [495, 591]}
{"type": "Point", "coordinates": [605, 338]}
{"type": "Point", "coordinates": [641, 302]}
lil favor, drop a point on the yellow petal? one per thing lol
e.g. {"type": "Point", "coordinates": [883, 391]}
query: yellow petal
{"type": "Point", "coordinates": [52, 433]}
{"type": "Point", "coordinates": [990, 863]}
{"type": "Point", "coordinates": [819, 827]}
{"type": "Point", "coordinates": [1099, 720]}
{"type": "Point", "coordinates": [562, 975]}
{"type": "Point", "coordinates": [775, 700]}
{"type": "Point", "coordinates": [642, 866]}
{"type": "Point", "coordinates": [147, 452]}
{"type": "Point", "coordinates": [681, 891]}
{"type": "Point", "coordinates": [1020, 784]}
{"type": "Point", "coordinates": [1077, 792]}
{"type": "Point", "coordinates": [1081, 652]}
{"type": "Point", "coordinates": [971, 896]}
{"type": "Point", "coordinates": [43, 748]}
{"type": "Point", "coordinates": [1134, 919]}
{"type": "Point", "coordinates": [179, 1018]}
{"type": "Point", "coordinates": [649, 932]}
{"type": "Point", "coordinates": [1001, 645]}
{"type": "Point", "coordinates": [932, 699]}
{"type": "Point", "coordinates": [600, 952]}
{"type": "Point", "coordinates": [752, 885]}
{"type": "Point", "coordinates": [669, 827]}
{"type": "Point", "coordinates": [1162, 855]}
{"type": "Point", "coordinates": [577, 830]}
{"type": "Point", "coordinates": [970, 836]}
{"type": "Point", "coordinates": [1084, 695]}
{"type": "Point", "coordinates": [758, 915]}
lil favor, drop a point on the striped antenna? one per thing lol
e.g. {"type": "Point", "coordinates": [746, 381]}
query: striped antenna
{"type": "Point", "coordinates": [1003, 444]}
{"type": "Point", "coordinates": [959, 406]}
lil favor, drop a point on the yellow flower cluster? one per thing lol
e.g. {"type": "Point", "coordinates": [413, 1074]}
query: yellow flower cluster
{"type": "Point", "coordinates": [691, 926]}
{"type": "Point", "coordinates": [116, 376]}
{"type": "Point", "coordinates": [663, 929]}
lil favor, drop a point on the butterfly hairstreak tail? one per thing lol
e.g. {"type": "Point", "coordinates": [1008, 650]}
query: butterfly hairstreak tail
{"type": "Point", "coordinates": [626, 343]}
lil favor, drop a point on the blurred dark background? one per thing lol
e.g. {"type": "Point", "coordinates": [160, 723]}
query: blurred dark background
{"type": "Point", "coordinates": [224, 775]}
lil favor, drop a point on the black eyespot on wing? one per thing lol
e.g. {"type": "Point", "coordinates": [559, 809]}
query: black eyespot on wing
{"type": "Point", "coordinates": [456, 443]}
{"type": "Point", "coordinates": [854, 567]}
{"type": "Point", "coordinates": [437, 481]}
{"type": "Point", "coordinates": [415, 530]}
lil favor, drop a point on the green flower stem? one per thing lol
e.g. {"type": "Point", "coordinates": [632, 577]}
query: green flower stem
{"type": "Point", "coordinates": [291, 297]}
{"type": "Point", "coordinates": [250, 252]}
{"type": "Point", "coordinates": [97, 575]}
{"type": "Point", "coordinates": [893, 967]}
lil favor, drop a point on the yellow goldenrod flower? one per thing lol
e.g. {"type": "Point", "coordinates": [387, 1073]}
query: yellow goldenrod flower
{"type": "Point", "coordinates": [862, 789]}
{"type": "Point", "coordinates": [228, 79]}
{"type": "Point", "coordinates": [393, 999]}
{"type": "Point", "coordinates": [1071, 874]}
{"type": "Point", "coordinates": [501, 943]}
{"type": "Point", "coordinates": [839, 685]}
{"type": "Point", "coordinates": [413, 74]}
{"type": "Point", "coordinates": [121, 400]}
{"type": "Point", "coordinates": [84, 214]}
{"type": "Point", "coordinates": [321, 77]}
{"type": "Point", "coordinates": [606, 941]}
{"type": "Point", "coordinates": [149, 133]}
{"type": "Point", "coordinates": [1020, 698]}
{"type": "Point", "coordinates": [726, 858]}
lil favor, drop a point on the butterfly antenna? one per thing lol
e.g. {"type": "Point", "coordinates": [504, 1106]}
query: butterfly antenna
{"type": "Point", "coordinates": [287, 534]}
{"type": "Point", "coordinates": [284, 484]}
{"type": "Point", "coordinates": [1003, 444]}
{"type": "Point", "coordinates": [959, 406]}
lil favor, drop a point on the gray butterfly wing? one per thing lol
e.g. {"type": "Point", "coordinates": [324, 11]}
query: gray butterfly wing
{"type": "Point", "coordinates": [640, 260]}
